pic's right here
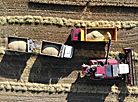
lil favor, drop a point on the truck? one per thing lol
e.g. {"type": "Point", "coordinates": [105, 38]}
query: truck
{"type": "Point", "coordinates": [55, 49]}
{"type": "Point", "coordinates": [47, 48]}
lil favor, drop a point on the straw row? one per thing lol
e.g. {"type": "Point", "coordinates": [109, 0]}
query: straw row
{"type": "Point", "coordinates": [65, 22]}
{"type": "Point", "coordinates": [58, 88]}
{"type": "Point", "coordinates": [17, 86]}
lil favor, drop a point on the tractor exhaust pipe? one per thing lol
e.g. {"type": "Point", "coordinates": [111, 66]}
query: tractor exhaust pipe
{"type": "Point", "coordinates": [108, 47]}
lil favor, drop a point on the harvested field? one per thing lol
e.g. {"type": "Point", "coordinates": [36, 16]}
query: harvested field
{"type": "Point", "coordinates": [34, 77]}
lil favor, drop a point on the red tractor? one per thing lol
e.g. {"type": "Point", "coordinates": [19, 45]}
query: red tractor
{"type": "Point", "coordinates": [111, 68]}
